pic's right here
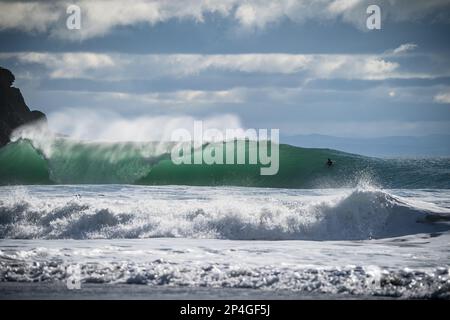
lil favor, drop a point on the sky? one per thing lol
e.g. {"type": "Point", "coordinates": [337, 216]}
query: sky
{"type": "Point", "coordinates": [304, 67]}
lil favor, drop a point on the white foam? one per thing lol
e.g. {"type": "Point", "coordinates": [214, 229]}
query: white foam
{"type": "Point", "coordinates": [96, 212]}
{"type": "Point", "coordinates": [382, 267]}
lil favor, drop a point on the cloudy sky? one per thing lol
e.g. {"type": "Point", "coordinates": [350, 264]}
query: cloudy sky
{"type": "Point", "coordinates": [301, 66]}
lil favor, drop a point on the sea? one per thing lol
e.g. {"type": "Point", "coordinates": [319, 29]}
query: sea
{"type": "Point", "coordinates": [115, 220]}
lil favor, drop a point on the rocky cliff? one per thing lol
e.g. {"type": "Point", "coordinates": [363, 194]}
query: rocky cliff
{"type": "Point", "coordinates": [13, 110]}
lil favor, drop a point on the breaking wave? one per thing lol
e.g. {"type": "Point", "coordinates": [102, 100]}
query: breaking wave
{"type": "Point", "coordinates": [65, 161]}
{"type": "Point", "coordinates": [352, 215]}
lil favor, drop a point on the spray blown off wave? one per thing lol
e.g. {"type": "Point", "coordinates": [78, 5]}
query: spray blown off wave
{"type": "Point", "coordinates": [66, 161]}
{"type": "Point", "coordinates": [243, 214]}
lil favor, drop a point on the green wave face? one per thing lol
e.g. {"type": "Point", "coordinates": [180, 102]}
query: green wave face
{"type": "Point", "coordinates": [71, 162]}
{"type": "Point", "coordinates": [20, 163]}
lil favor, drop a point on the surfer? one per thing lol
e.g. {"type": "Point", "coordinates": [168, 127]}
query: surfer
{"type": "Point", "coordinates": [329, 162]}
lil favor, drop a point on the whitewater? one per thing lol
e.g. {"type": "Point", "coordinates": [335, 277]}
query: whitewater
{"type": "Point", "coordinates": [223, 242]}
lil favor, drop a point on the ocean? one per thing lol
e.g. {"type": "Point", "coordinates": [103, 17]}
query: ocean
{"type": "Point", "coordinates": [85, 221]}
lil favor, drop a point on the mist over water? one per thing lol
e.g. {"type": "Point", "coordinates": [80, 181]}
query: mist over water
{"type": "Point", "coordinates": [89, 125]}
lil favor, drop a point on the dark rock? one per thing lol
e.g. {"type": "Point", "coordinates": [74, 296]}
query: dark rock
{"type": "Point", "coordinates": [13, 110]}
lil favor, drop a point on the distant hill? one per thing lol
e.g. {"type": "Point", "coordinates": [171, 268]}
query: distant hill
{"type": "Point", "coordinates": [396, 146]}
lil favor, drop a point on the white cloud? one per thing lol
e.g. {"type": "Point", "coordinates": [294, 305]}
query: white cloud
{"type": "Point", "coordinates": [101, 16]}
{"type": "Point", "coordinates": [259, 63]}
{"type": "Point", "coordinates": [340, 6]}
{"type": "Point", "coordinates": [443, 97]}
{"type": "Point", "coordinates": [67, 65]}
{"type": "Point", "coordinates": [28, 16]}
{"type": "Point", "coordinates": [173, 98]}
{"type": "Point", "coordinates": [404, 48]}
{"type": "Point", "coordinates": [137, 66]}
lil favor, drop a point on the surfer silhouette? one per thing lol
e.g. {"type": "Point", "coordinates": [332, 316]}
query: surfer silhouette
{"type": "Point", "coordinates": [329, 162]}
